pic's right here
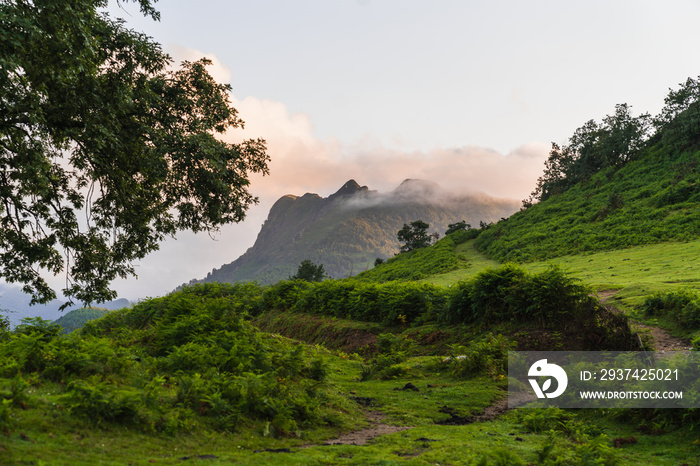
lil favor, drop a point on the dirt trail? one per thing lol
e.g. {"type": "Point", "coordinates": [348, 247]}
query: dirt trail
{"type": "Point", "coordinates": [362, 436]}
{"type": "Point", "coordinates": [661, 339]}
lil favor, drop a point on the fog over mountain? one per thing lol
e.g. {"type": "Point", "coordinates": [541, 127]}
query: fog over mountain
{"type": "Point", "coordinates": [349, 229]}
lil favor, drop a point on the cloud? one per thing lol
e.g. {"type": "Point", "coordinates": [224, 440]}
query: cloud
{"type": "Point", "coordinates": [220, 72]}
{"type": "Point", "coordinates": [303, 163]}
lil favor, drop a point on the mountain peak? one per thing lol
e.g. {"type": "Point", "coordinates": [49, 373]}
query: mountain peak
{"type": "Point", "coordinates": [349, 188]}
{"type": "Point", "coordinates": [417, 186]}
{"type": "Point", "coordinates": [349, 229]}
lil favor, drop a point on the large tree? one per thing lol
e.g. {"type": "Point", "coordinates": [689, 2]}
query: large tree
{"type": "Point", "coordinates": [105, 150]}
{"type": "Point", "coordinates": [414, 236]}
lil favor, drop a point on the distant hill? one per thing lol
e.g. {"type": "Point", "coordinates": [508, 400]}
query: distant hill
{"type": "Point", "coordinates": [15, 305]}
{"type": "Point", "coordinates": [76, 318]}
{"type": "Point", "coordinates": [349, 229]}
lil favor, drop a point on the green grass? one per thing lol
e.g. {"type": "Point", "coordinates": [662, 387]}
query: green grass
{"type": "Point", "coordinates": [44, 433]}
{"type": "Point", "coordinates": [473, 262]}
{"type": "Point", "coordinates": [657, 199]}
{"type": "Point", "coordinates": [636, 272]}
{"type": "Point", "coordinates": [420, 263]}
{"type": "Point", "coordinates": [39, 428]}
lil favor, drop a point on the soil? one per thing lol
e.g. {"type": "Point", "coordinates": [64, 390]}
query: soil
{"type": "Point", "coordinates": [361, 437]}
{"type": "Point", "coordinates": [661, 339]}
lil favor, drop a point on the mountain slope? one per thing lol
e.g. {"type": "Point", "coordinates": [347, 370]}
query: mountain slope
{"type": "Point", "coordinates": [77, 318]}
{"type": "Point", "coordinates": [349, 229]}
{"type": "Point", "coordinates": [652, 199]}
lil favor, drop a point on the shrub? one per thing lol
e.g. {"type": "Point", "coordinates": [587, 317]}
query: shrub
{"type": "Point", "coordinates": [509, 294]}
{"type": "Point", "coordinates": [682, 306]}
{"type": "Point", "coordinates": [101, 402]}
{"type": "Point", "coordinates": [487, 356]}
{"type": "Point", "coordinates": [284, 294]}
{"type": "Point", "coordinates": [389, 303]}
{"type": "Point", "coordinates": [392, 350]}
{"type": "Point", "coordinates": [186, 360]}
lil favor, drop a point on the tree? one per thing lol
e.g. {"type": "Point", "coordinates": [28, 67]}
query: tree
{"type": "Point", "coordinates": [591, 148]}
{"type": "Point", "coordinates": [310, 272]}
{"type": "Point", "coordinates": [623, 135]}
{"type": "Point", "coordinates": [414, 236]}
{"type": "Point", "coordinates": [105, 150]}
{"type": "Point", "coordinates": [679, 120]}
{"type": "Point", "coordinates": [458, 226]}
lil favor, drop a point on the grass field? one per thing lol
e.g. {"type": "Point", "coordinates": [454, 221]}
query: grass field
{"type": "Point", "coordinates": [636, 272]}
{"type": "Point", "coordinates": [519, 437]}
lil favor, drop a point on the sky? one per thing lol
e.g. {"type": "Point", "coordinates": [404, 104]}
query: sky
{"type": "Point", "coordinates": [469, 94]}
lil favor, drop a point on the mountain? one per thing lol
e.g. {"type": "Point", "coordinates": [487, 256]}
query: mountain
{"type": "Point", "coordinates": [14, 303]}
{"type": "Point", "coordinates": [349, 229]}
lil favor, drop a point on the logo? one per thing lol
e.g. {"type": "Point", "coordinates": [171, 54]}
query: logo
{"type": "Point", "coordinates": [542, 369]}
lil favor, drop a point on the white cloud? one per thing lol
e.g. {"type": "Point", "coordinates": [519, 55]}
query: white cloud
{"type": "Point", "coordinates": [220, 72]}
{"type": "Point", "coordinates": [301, 162]}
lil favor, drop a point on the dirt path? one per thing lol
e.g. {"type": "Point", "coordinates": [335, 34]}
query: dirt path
{"type": "Point", "coordinates": [661, 339]}
{"type": "Point", "coordinates": [361, 437]}
{"type": "Point", "coordinates": [379, 427]}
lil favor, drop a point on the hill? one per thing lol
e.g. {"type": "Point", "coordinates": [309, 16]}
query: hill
{"type": "Point", "coordinates": [626, 181]}
{"type": "Point", "coordinates": [77, 318]}
{"type": "Point", "coordinates": [209, 372]}
{"type": "Point", "coordinates": [349, 229]}
{"type": "Point", "coordinates": [16, 305]}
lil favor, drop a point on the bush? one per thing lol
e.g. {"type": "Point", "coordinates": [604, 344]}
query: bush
{"type": "Point", "coordinates": [389, 303]}
{"type": "Point", "coordinates": [186, 360]}
{"type": "Point", "coordinates": [101, 402]}
{"type": "Point", "coordinates": [392, 350]}
{"type": "Point", "coordinates": [487, 356]}
{"type": "Point", "coordinates": [509, 294]}
{"type": "Point", "coordinates": [682, 306]}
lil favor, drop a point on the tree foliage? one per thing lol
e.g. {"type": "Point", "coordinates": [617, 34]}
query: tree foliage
{"type": "Point", "coordinates": [462, 225]}
{"type": "Point", "coordinates": [618, 138]}
{"type": "Point", "coordinates": [310, 272]}
{"type": "Point", "coordinates": [679, 120]}
{"type": "Point", "coordinates": [104, 149]}
{"type": "Point", "coordinates": [414, 236]}
{"type": "Point", "coordinates": [592, 147]}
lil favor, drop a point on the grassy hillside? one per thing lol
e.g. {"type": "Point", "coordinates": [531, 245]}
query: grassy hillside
{"type": "Point", "coordinates": [187, 376]}
{"type": "Point", "coordinates": [421, 263]}
{"type": "Point", "coordinates": [77, 318]}
{"type": "Point", "coordinates": [634, 273]}
{"type": "Point", "coordinates": [410, 356]}
{"type": "Point", "coordinates": [652, 199]}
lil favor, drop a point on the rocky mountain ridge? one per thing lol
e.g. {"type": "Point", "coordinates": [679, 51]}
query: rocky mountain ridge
{"type": "Point", "coordinates": [350, 228]}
